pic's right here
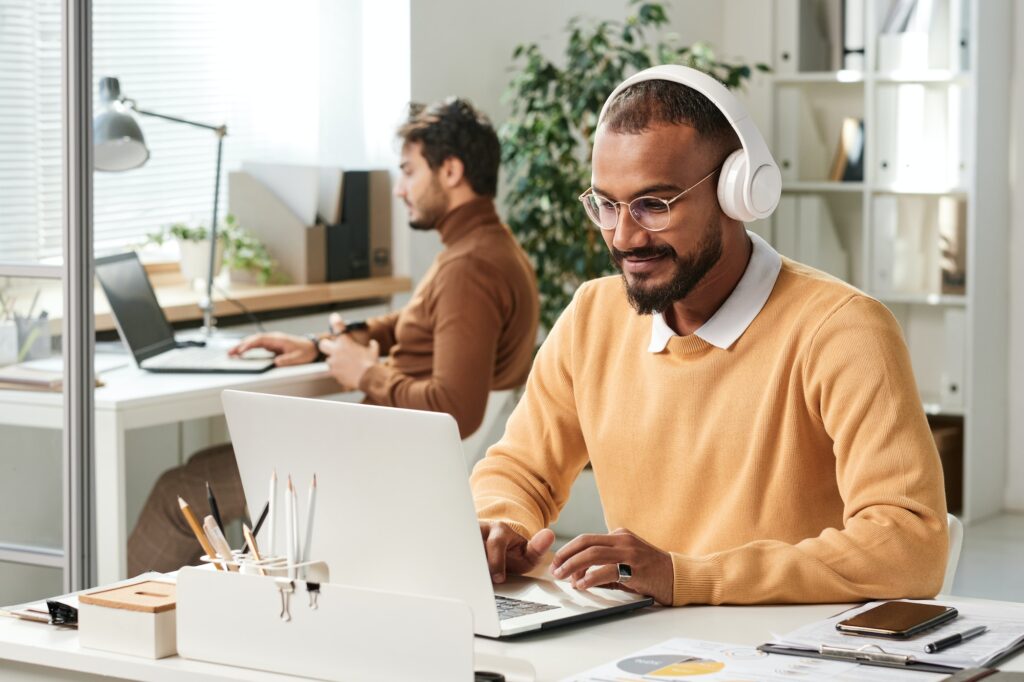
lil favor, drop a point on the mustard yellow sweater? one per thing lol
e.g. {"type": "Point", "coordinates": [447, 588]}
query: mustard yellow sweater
{"type": "Point", "coordinates": [796, 466]}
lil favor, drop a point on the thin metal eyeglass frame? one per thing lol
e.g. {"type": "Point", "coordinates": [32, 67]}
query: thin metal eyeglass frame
{"type": "Point", "coordinates": [628, 204]}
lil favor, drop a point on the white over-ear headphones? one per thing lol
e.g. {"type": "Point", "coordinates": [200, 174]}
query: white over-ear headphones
{"type": "Point", "coordinates": [750, 184]}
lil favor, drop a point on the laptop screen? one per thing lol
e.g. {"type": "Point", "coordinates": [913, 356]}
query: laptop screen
{"type": "Point", "coordinates": [139, 317]}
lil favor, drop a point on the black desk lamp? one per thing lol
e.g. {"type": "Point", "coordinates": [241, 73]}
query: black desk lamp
{"type": "Point", "coordinates": [119, 146]}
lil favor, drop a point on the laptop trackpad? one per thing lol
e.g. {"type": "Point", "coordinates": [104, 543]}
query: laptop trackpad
{"type": "Point", "coordinates": [563, 594]}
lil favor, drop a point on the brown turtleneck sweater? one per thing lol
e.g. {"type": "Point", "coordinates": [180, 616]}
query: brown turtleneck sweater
{"type": "Point", "coordinates": [470, 327]}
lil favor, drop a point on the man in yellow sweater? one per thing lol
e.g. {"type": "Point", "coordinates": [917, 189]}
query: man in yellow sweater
{"type": "Point", "coordinates": [753, 424]}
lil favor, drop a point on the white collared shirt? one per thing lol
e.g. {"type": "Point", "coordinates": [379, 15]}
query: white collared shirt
{"type": "Point", "coordinates": [737, 312]}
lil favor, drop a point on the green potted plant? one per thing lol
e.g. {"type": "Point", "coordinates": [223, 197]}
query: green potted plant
{"type": "Point", "coordinates": [193, 247]}
{"type": "Point", "coordinates": [246, 257]}
{"type": "Point", "coordinates": [548, 138]}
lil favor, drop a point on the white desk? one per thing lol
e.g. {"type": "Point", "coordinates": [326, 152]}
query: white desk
{"type": "Point", "coordinates": [30, 651]}
{"type": "Point", "coordinates": [133, 399]}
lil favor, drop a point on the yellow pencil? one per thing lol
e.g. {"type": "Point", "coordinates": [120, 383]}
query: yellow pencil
{"type": "Point", "coordinates": [251, 541]}
{"type": "Point", "coordinates": [186, 511]}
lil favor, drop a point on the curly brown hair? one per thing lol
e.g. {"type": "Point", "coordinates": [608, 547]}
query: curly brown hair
{"type": "Point", "coordinates": [453, 127]}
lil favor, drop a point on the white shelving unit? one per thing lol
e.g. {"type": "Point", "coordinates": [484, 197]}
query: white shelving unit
{"type": "Point", "coordinates": [936, 145]}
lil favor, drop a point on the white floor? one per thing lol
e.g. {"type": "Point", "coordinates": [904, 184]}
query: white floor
{"type": "Point", "coordinates": [992, 559]}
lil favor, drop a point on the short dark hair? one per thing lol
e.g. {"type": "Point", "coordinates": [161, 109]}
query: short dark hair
{"type": "Point", "coordinates": [453, 127]}
{"type": "Point", "coordinates": [652, 102]}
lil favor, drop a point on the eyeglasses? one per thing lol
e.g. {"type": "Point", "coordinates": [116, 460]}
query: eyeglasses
{"type": "Point", "coordinates": [650, 213]}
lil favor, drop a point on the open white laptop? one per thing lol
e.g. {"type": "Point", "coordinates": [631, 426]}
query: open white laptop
{"type": "Point", "coordinates": [394, 509]}
{"type": "Point", "coordinates": [147, 333]}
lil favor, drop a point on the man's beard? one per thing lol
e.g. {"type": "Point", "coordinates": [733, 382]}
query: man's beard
{"type": "Point", "coordinates": [688, 272]}
{"type": "Point", "coordinates": [431, 208]}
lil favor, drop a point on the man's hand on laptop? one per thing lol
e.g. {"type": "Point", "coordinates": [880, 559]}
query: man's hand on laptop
{"type": "Point", "coordinates": [592, 560]}
{"type": "Point", "coordinates": [290, 349]}
{"type": "Point", "coordinates": [509, 552]}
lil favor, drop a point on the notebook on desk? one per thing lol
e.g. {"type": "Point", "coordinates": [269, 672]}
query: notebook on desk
{"type": "Point", "coordinates": [394, 507]}
{"type": "Point", "coordinates": [147, 333]}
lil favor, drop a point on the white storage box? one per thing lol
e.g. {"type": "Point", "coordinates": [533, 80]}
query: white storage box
{"type": "Point", "coordinates": [136, 619]}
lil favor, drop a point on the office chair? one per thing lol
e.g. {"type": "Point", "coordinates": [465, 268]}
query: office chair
{"type": "Point", "coordinates": [956, 541]}
{"type": "Point", "coordinates": [499, 407]}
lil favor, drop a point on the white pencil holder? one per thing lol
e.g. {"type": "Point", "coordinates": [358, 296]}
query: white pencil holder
{"type": "Point", "coordinates": [274, 566]}
{"type": "Point", "coordinates": [323, 631]}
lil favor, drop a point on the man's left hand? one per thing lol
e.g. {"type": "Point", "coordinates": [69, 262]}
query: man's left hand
{"type": "Point", "coordinates": [592, 561]}
{"type": "Point", "coordinates": [347, 360]}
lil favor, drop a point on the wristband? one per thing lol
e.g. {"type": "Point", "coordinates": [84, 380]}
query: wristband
{"type": "Point", "coordinates": [320, 355]}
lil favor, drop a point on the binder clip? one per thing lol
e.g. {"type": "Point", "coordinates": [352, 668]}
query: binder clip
{"type": "Point", "coordinates": [286, 588]}
{"type": "Point", "coordinates": [313, 589]}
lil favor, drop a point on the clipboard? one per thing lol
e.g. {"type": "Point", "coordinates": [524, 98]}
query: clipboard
{"type": "Point", "coordinates": [872, 654]}
{"type": "Point", "coordinates": [879, 658]}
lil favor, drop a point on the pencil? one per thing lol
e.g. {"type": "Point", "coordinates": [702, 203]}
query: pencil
{"type": "Point", "coordinates": [218, 541]}
{"type": "Point", "coordinates": [272, 514]}
{"type": "Point", "coordinates": [250, 541]}
{"type": "Point", "coordinates": [214, 510]}
{"type": "Point", "coordinates": [289, 528]}
{"type": "Point", "coordinates": [197, 530]}
{"type": "Point", "coordinates": [259, 523]}
{"type": "Point", "coordinates": [310, 509]}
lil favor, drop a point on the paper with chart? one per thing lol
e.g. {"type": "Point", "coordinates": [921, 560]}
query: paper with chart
{"type": "Point", "coordinates": [1005, 624]}
{"type": "Point", "coordinates": [693, 660]}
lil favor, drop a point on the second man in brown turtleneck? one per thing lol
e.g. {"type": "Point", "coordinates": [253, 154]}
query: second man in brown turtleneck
{"type": "Point", "coordinates": [469, 329]}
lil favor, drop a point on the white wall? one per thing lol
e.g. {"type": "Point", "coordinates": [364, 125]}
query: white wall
{"type": "Point", "coordinates": [1015, 456]}
{"type": "Point", "coordinates": [464, 48]}
{"type": "Point", "coordinates": [364, 90]}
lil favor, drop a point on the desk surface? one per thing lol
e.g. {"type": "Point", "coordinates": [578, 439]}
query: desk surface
{"type": "Point", "coordinates": [554, 654]}
{"type": "Point", "coordinates": [129, 387]}
{"type": "Point", "coordinates": [181, 302]}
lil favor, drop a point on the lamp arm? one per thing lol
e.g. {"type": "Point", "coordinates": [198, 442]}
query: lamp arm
{"type": "Point", "coordinates": [221, 130]}
{"type": "Point", "coordinates": [206, 304]}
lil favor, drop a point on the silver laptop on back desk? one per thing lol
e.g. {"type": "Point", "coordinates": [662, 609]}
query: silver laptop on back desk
{"type": "Point", "coordinates": [147, 333]}
{"type": "Point", "coordinates": [394, 509]}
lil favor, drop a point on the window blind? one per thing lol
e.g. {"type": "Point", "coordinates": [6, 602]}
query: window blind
{"type": "Point", "coordinates": [248, 64]}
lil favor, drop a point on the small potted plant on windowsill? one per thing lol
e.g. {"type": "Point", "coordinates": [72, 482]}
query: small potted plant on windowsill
{"type": "Point", "coordinates": [247, 258]}
{"type": "Point", "coordinates": [194, 247]}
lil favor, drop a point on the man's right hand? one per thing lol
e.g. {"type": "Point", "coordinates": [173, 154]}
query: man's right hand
{"type": "Point", "coordinates": [338, 326]}
{"type": "Point", "coordinates": [509, 552]}
{"type": "Point", "coordinates": [290, 349]}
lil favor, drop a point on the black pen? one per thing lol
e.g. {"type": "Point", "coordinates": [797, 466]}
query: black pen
{"type": "Point", "coordinates": [214, 511]}
{"type": "Point", "coordinates": [259, 523]}
{"type": "Point", "coordinates": [349, 327]}
{"type": "Point", "coordinates": [946, 642]}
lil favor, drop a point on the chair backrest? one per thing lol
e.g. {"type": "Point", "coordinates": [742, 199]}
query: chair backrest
{"type": "Point", "coordinates": [956, 541]}
{"type": "Point", "coordinates": [499, 407]}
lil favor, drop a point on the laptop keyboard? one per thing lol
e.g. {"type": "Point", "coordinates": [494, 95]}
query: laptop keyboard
{"type": "Point", "coordinates": [513, 608]}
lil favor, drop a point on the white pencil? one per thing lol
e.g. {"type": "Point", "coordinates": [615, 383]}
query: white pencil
{"type": "Point", "coordinates": [289, 527]}
{"type": "Point", "coordinates": [271, 514]}
{"type": "Point", "coordinates": [310, 509]}
{"type": "Point", "coordinates": [296, 539]}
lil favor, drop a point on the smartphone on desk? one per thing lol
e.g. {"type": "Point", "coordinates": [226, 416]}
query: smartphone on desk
{"type": "Point", "coordinates": [897, 620]}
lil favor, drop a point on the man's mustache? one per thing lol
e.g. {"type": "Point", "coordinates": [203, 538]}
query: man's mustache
{"type": "Point", "coordinates": [643, 252]}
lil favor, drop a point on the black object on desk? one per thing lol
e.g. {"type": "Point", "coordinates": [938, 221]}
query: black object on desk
{"type": "Point", "coordinates": [954, 639]}
{"type": "Point", "coordinates": [61, 614]}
